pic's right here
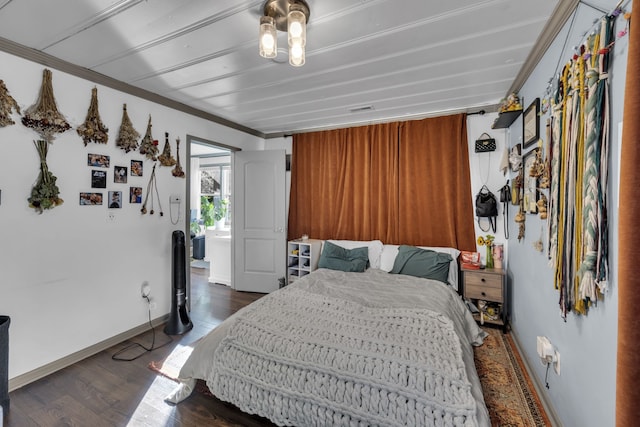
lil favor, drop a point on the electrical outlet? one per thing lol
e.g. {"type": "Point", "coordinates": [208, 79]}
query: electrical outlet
{"type": "Point", "coordinates": [111, 216]}
{"type": "Point", "coordinates": [145, 289]}
{"type": "Point", "coordinates": [152, 305]}
{"type": "Point", "coordinates": [175, 198]}
{"type": "Point", "coordinates": [556, 363]}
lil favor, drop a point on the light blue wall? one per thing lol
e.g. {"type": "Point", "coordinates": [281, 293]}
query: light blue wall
{"type": "Point", "coordinates": [584, 393]}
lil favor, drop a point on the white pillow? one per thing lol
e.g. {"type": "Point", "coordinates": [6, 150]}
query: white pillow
{"type": "Point", "coordinates": [389, 253]}
{"type": "Point", "coordinates": [374, 248]}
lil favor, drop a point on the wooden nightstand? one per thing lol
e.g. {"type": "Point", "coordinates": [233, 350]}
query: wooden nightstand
{"type": "Point", "coordinates": [488, 285]}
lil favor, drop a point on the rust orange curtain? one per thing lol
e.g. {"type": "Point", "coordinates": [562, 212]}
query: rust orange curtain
{"type": "Point", "coordinates": [628, 367]}
{"type": "Point", "coordinates": [395, 182]}
{"type": "Point", "coordinates": [435, 184]}
{"type": "Point", "coordinates": [343, 183]}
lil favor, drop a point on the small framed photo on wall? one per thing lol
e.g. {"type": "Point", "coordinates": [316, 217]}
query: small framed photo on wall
{"type": "Point", "coordinates": [90, 199]}
{"type": "Point", "coordinates": [136, 167]}
{"type": "Point", "coordinates": [98, 179]}
{"type": "Point", "coordinates": [135, 194]}
{"type": "Point", "coordinates": [115, 199]}
{"type": "Point", "coordinates": [120, 174]}
{"type": "Point", "coordinates": [531, 124]}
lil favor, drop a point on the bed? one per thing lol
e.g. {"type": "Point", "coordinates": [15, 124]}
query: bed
{"type": "Point", "coordinates": [349, 348]}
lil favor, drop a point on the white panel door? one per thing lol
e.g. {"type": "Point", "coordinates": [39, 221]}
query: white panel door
{"type": "Point", "coordinates": [259, 220]}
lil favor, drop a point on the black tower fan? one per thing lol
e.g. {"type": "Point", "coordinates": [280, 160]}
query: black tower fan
{"type": "Point", "coordinates": [179, 321]}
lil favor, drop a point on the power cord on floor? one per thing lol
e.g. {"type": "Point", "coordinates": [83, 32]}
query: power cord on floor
{"type": "Point", "coordinates": [116, 355]}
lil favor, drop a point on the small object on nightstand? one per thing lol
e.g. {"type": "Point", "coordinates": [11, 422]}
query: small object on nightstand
{"type": "Point", "coordinates": [487, 289]}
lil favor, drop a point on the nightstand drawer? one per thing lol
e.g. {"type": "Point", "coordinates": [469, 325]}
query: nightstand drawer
{"type": "Point", "coordinates": [485, 280]}
{"type": "Point", "coordinates": [482, 291]}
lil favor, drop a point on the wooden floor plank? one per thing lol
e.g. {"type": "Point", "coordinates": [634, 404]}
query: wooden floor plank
{"type": "Point", "coordinates": [101, 391]}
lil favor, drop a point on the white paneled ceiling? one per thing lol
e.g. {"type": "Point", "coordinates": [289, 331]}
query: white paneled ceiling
{"type": "Point", "coordinates": [366, 60]}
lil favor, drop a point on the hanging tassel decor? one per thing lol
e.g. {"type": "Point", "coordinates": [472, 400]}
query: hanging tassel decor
{"type": "Point", "coordinates": [45, 193]}
{"type": "Point", "coordinates": [166, 159]}
{"type": "Point", "coordinates": [177, 171]}
{"type": "Point", "coordinates": [7, 105]}
{"type": "Point", "coordinates": [93, 130]}
{"type": "Point", "coordinates": [43, 116]}
{"type": "Point", "coordinates": [152, 188]}
{"type": "Point", "coordinates": [127, 135]}
{"type": "Point", "coordinates": [148, 145]}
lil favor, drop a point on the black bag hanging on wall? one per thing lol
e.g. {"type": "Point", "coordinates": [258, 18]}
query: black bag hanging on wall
{"type": "Point", "coordinates": [485, 144]}
{"type": "Point", "coordinates": [486, 207]}
{"type": "Point", "coordinates": [505, 198]}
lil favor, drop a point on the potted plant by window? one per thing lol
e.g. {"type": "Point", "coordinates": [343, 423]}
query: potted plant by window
{"type": "Point", "coordinates": [220, 214]}
{"type": "Point", "coordinates": [207, 211]}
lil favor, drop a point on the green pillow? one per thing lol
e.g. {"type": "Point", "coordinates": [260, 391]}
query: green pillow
{"type": "Point", "coordinates": [336, 257]}
{"type": "Point", "coordinates": [423, 263]}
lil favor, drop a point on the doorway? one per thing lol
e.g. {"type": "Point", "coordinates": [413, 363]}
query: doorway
{"type": "Point", "coordinates": [209, 205]}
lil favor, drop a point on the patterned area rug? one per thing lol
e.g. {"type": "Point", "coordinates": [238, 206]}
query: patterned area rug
{"type": "Point", "coordinates": [508, 392]}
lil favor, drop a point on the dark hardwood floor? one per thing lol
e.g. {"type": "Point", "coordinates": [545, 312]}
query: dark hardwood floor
{"type": "Point", "coordinates": [100, 391]}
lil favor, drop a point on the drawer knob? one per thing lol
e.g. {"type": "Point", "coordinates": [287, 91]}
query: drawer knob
{"type": "Point", "coordinates": [483, 294]}
{"type": "Point", "coordinates": [482, 280]}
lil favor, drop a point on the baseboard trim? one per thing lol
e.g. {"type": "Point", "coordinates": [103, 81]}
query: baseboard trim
{"type": "Point", "coordinates": [551, 413]}
{"type": "Point", "coordinates": [50, 368]}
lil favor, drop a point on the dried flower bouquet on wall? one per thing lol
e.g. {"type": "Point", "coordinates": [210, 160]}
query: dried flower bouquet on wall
{"type": "Point", "coordinates": [177, 171]}
{"type": "Point", "coordinates": [127, 136]}
{"type": "Point", "coordinates": [93, 130]}
{"type": "Point", "coordinates": [43, 116]}
{"type": "Point", "coordinates": [148, 145]}
{"type": "Point", "coordinates": [45, 193]}
{"type": "Point", "coordinates": [166, 159]}
{"type": "Point", "coordinates": [7, 105]}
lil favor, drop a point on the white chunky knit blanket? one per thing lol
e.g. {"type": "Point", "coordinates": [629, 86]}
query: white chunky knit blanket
{"type": "Point", "coordinates": [301, 358]}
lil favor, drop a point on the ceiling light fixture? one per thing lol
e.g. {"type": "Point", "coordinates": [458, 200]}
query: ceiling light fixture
{"type": "Point", "coordinates": [284, 15]}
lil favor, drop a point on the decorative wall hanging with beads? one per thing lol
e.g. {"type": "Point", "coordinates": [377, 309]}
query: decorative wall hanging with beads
{"type": "Point", "coordinates": [152, 191]}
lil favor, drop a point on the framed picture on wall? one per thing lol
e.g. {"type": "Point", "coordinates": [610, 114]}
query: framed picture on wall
{"type": "Point", "coordinates": [531, 124]}
{"type": "Point", "coordinates": [135, 194]}
{"type": "Point", "coordinates": [530, 183]}
{"type": "Point", "coordinates": [98, 160]}
{"type": "Point", "coordinates": [115, 199]}
{"type": "Point", "coordinates": [90, 199]}
{"type": "Point", "coordinates": [136, 167]}
{"type": "Point", "coordinates": [120, 174]}
{"type": "Point", "coordinates": [98, 179]}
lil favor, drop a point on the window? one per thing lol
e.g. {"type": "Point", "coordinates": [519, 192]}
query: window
{"type": "Point", "coordinates": [215, 185]}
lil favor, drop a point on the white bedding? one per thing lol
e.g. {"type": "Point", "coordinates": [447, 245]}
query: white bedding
{"type": "Point", "coordinates": [418, 326]}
